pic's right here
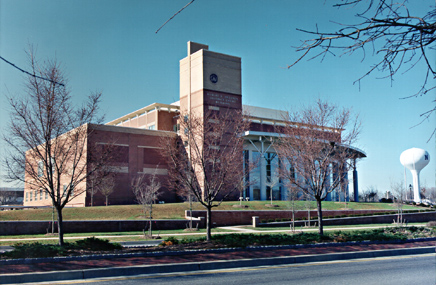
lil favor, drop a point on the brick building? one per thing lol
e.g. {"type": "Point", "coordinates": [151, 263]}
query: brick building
{"type": "Point", "coordinates": [208, 81]}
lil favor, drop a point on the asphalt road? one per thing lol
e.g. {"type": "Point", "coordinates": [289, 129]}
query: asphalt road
{"type": "Point", "coordinates": [419, 269]}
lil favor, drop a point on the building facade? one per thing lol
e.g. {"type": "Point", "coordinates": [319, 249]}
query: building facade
{"type": "Point", "coordinates": [209, 81]}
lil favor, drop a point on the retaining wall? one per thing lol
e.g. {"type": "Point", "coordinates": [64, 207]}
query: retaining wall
{"type": "Point", "coordinates": [244, 217]}
{"type": "Point", "coordinates": [376, 219]}
{"type": "Point", "coordinates": [43, 227]}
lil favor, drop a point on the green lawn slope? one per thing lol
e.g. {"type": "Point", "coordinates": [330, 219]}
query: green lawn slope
{"type": "Point", "coordinates": [176, 210]}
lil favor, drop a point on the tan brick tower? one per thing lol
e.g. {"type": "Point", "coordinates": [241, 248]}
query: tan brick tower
{"type": "Point", "coordinates": [210, 86]}
{"type": "Point", "coordinates": [209, 80]}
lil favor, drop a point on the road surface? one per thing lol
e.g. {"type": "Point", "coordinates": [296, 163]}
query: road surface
{"type": "Point", "coordinates": [417, 269]}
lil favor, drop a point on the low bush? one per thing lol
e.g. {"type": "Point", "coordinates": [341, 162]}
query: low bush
{"type": "Point", "coordinates": [94, 244]}
{"type": "Point", "coordinates": [244, 240]}
{"type": "Point", "coordinates": [187, 240]}
{"type": "Point", "coordinates": [169, 241]}
{"type": "Point", "coordinates": [37, 250]}
{"type": "Point", "coordinates": [369, 235]}
{"type": "Point", "coordinates": [34, 250]}
{"type": "Point", "coordinates": [387, 234]}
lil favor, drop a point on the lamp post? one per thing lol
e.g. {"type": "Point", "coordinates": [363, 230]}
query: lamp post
{"type": "Point", "coordinates": [410, 191]}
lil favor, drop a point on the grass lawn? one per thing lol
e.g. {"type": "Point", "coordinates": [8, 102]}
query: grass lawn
{"type": "Point", "coordinates": [175, 210]}
{"type": "Point", "coordinates": [138, 236]}
{"type": "Point", "coordinates": [96, 246]}
{"type": "Point", "coordinates": [112, 236]}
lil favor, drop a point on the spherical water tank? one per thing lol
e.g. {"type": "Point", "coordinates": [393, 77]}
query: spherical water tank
{"type": "Point", "coordinates": [415, 158]}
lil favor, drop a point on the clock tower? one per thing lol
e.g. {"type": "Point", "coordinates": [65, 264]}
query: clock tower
{"type": "Point", "coordinates": [209, 81]}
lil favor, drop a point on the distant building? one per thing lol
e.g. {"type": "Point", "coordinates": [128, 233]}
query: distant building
{"type": "Point", "coordinates": [11, 196]}
{"type": "Point", "coordinates": [208, 81]}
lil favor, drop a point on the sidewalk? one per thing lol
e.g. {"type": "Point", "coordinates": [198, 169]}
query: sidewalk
{"type": "Point", "coordinates": [64, 269]}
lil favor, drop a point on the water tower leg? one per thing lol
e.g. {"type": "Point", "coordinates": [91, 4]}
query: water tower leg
{"type": "Point", "coordinates": [416, 188]}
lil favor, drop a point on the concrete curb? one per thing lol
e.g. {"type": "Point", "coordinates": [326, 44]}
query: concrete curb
{"type": "Point", "coordinates": [196, 266]}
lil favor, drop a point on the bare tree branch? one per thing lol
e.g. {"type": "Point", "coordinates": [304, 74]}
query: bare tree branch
{"type": "Point", "coordinates": [315, 151]}
{"type": "Point", "coordinates": [28, 73]}
{"type": "Point", "coordinates": [146, 192]}
{"type": "Point", "coordinates": [207, 159]}
{"type": "Point", "coordinates": [388, 29]}
{"type": "Point", "coordinates": [174, 16]}
{"type": "Point", "coordinates": [48, 139]}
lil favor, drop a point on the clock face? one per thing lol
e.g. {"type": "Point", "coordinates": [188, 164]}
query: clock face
{"type": "Point", "coordinates": [213, 78]}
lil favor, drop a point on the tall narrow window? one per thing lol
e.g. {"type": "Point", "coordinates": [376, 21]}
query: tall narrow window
{"type": "Point", "coordinates": [64, 194]}
{"type": "Point", "coordinates": [40, 168]}
{"type": "Point", "coordinates": [292, 171]}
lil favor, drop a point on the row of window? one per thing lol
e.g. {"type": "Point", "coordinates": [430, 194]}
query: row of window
{"type": "Point", "coordinates": [35, 194]}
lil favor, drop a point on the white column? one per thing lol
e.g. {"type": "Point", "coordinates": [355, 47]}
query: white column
{"type": "Point", "coordinates": [262, 171]}
{"type": "Point", "coordinates": [250, 159]}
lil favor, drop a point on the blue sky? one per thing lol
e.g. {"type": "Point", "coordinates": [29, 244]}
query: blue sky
{"type": "Point", "coordinates": [111, 46]}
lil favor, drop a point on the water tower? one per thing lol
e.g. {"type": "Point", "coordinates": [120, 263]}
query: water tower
{"type": "Point", "coordinates": [415, 159]}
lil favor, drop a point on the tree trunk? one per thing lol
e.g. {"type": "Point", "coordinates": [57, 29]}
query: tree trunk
{"type": "Point", "coordinates": [320, 224]}
{"type": "Point", "coordinates": [208, 223]}
{"type": "Point", "coordinates": [308, 216]}
{"type": "Point", "coordinates": [150, 231]}
{"type": "Point", "coordinates": [52, 219]}
{"type": "Point", "coordinates": [60, 226]}
{"type": "Point", "coordinates": [92, 200]}
{"type": "Point", "coordinates": [107, 198]}
{"type": "Point", "coordinates": [190, 211]}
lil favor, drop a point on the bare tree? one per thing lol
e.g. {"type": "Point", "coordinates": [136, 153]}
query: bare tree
{"type": "Point", "coordinates": [146, 188]}
{"type": "Point", "coordinates": [370, 194]}
{"type": "Point", "coordinates": [431, 193]}
{"type": "Point", "coordinates": [399, 193]}
{"type": "Point", "coordinates": [106, 187]}
{"type": "Point", "coordinates": [243, 184]}
{"type": "Point", "coordinates": [308, 205]}
{"type": "Point", "coordinates": [293, 196]}
{"type": "Point", "coordinates": [271, 183]}
{"type": "Point", "coordinates": [47, 137]}
{"type": "Point", "coordinates": [315, 147]}
{"type": "Point", "coordinates": [207, 159]}
{"type": "Point", "coordinates": [8, 196]}
{"type": "Point", "coordinates": [93, 179]}
{"type": "Point", "coordinates": [190, 197]}
{"type": "Point", "coordinates": [386, 28]}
